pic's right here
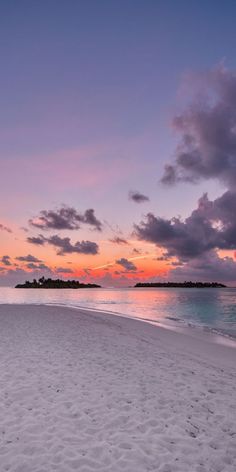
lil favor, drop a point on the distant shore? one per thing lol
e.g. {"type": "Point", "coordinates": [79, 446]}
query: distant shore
{"type": "Point", "coordinates": [92, 391]}
{"type": "Point", "coordinates": [75, 284]}
{"type": "Point", "coordinates": [180, 285]}
{"type": "Point", "coordinates": [55, 283]}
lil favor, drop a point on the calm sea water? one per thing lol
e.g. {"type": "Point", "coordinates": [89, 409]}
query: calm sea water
{"type": "Point", "coordinates": [210, 308]}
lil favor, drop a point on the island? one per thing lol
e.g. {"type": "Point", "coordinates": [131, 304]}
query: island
{"type": "Point", "coordinates": [180, 285]}
{"type": "Point", "coordinates": [55, 283]}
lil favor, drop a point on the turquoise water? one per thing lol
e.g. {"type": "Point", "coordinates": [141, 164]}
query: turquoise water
{"type": "Point", "coordinates": [209, 308]}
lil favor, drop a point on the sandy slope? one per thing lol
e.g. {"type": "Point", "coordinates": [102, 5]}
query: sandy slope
{"type": "Point", "coordinates": [89, 392]}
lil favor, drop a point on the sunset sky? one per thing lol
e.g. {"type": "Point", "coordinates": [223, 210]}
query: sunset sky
{"type": "Point", "coordinates": [118, 141]}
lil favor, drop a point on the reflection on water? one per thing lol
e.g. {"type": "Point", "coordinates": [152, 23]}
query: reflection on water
{"type": "Point", "coordinates": [213, 308]}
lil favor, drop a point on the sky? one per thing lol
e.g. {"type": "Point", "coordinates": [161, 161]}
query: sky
{"type": "Point", "coordinates": [118, 141]}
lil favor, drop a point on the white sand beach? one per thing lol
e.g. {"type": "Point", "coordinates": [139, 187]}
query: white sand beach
{"type": "Point", "coordinates": [89, 392]}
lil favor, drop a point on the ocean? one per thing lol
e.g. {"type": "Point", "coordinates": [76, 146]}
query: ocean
{"type": "Point", "coordinates": [212, 309]}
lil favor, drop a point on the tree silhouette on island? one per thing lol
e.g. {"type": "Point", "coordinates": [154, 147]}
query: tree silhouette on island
{"type": "Point", "coordinates": [58, 283]}
{"type": "Point", "coordinates": [180, 285]}
{"type": "Point", "coordinates": [55, 283]}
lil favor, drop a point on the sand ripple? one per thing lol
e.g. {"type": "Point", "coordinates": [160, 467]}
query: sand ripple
{"type": "Point", "coordinates": [83, 393]}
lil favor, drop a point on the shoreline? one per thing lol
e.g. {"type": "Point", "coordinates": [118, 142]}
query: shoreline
{"type": "Point", "coordinates": [85, 391]}
{"type": "Point", "coordinates": [187, 337]}
{"type": "Point", "coordinates": [210, 340]}
{"type": "Point", "coordinates": [196, 330]}
{"type": "Point", "coordinates": [177, 325]}
{"type": "Point", "coordinates": [219, 325]}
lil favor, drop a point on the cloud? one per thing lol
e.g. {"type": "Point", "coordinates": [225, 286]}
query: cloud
{"type": "Point", "coordinates": [28, 258]}
{"type": "Point", "coordinates": [207, 129]}
{"type": "Point", "coordinates": [5, 228]}
{"type": "Point", "coordinates": [136, 251]}
{"type": "Point", "coordinates": [41, 266]}
{"type": "Point", "coordinates": [65, 246]}
{"type": "Point", "coordinates": [127, 265]}
{"type": "Point", "coordinates": [138, 197]}
{"type": "Point", "coordinates": [90, 219]}
{"type": "Point", "coordinates": [176, 264]}
{"type": "Point", "coordinates": [162, 258]}
{"type": "Point", "coordinates": [118, 240]}
{"type": "Point", "coordinates": [65, 218]}
{"type": "Point", "coordinates": [64, 270]}
{"type": "Point", "coordinates": [170, 175]}
{"type": "Point", "coordinates": [6, 260]}
{"type": "Point", "coordinates": [206, 150]}
{"type": "Point", "coordinates": [209, 267]}
{"type": "Point", "coordinates": [38, 240]}
{"type": "Point", "coordinates": [211, 226]}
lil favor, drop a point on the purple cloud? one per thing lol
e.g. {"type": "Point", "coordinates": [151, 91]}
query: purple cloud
{"type": "Point", "coordinates": [5, 228]}
{"type": "Point", "coordinates": [211, 226]}
{"type": "Point", "coordinates": [138, 197]}
{"type": "Point", "coordinates": [65, 246]}
{"type": "Point", "coordinates": [136, 251]}
{"type": "Point", "coordinates": [28, 258]}
{"type": "Point", "coordinates": [6, 260]}
{"type": "Point", "coordinates": [38, 240]}
{"type": "Point", "coordinates": [126, 264]}
{"type": "Point", "coordinates": [41, 266]}
{"type": "Point", "coordinates": [207, 128]}
{"type": "Point", "coordinates": [64, 270]}
{"type": "Point", "coordinates": [90, 219]}
{"type": "Point", "coordinates": [65, 218]}
{"type": "Point", "coordinates": [118, 240]}
{"type": "Point", "coordinates": [209, 267]}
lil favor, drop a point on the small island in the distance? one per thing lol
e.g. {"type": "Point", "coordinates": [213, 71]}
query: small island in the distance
{"type": "Point", "coordinates": [55, 283]}
{"type": "Point", "coordinates": [180, 285]}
